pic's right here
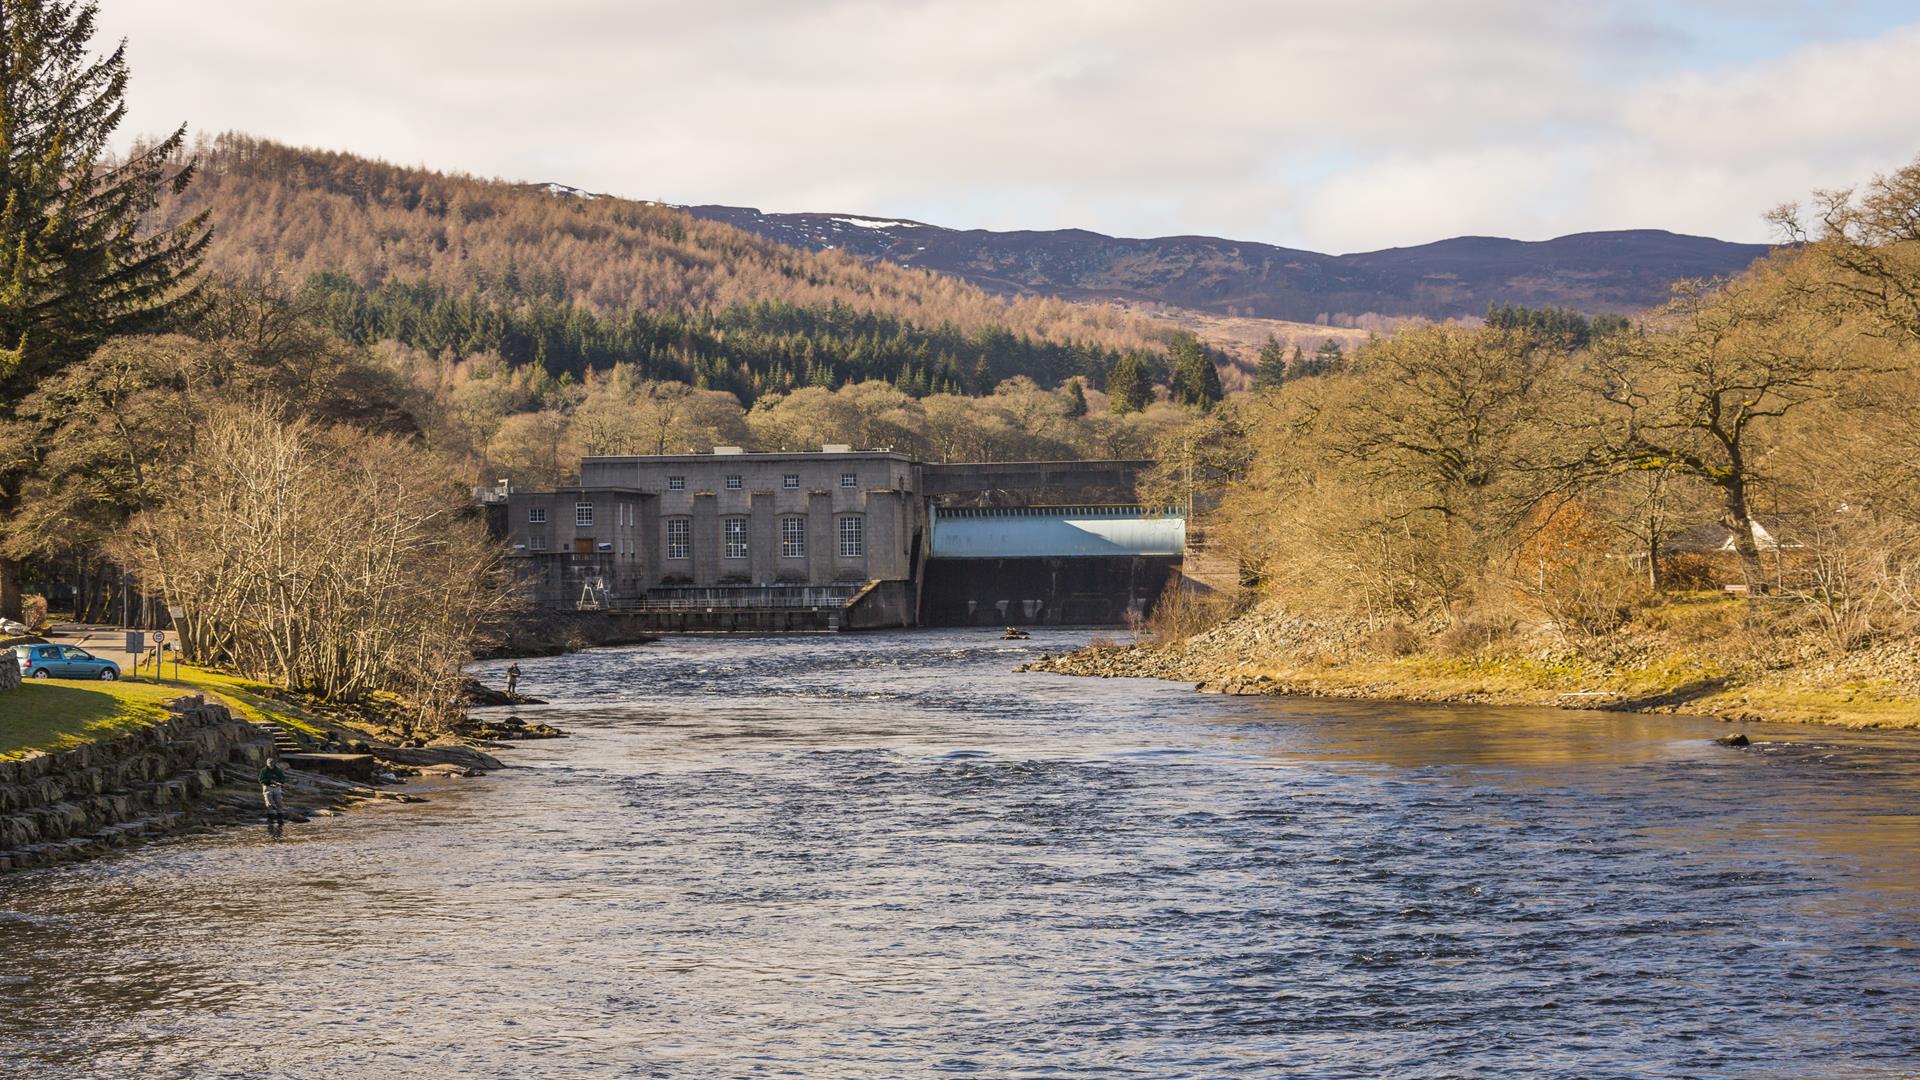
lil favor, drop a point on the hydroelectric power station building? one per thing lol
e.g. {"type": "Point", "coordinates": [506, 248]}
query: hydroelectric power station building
{"type": "Point", "coordinates": [843, 539]}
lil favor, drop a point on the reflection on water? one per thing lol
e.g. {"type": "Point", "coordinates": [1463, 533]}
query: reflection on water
{"type": "Point", "coordinates": [886, 856]}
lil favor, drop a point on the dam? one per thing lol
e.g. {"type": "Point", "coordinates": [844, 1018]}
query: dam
{"type": "Point", "coordinates": [842, 539]}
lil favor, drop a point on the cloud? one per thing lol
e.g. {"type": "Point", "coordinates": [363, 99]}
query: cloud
{"type": "Point", "coordinates": [1344, 127]}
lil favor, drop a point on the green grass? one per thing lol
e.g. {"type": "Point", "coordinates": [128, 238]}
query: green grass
{"type": "Point", "coordinates": [46, 714]}
{"type": "Point", "coordinates": [55, 714]}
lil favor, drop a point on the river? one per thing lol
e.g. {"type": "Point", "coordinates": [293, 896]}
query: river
{"type": "Point", "coordinates": [884, 855]}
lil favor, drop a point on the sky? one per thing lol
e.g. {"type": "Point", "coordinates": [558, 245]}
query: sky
{"type": "Point", "coordinates": [1338, 126]}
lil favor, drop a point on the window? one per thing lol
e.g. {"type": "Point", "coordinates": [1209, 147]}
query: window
{"type": "Point", "coordinates": [733, 482]}
{"type": "Point", "coordinates": [679, 538]}
{"type": "Point", "coordinates": [583, 513]}
{"type": "Point", "coordinates": [793, 538]}
{"type": "Point", "coordinates": [848, 479]}
{"type": "Point", "coordinates": [676, 483]}
{"type": "Point", "coordinates": [734, 532]}
{"type": "Point", "coordinates": [853, 536]}
{"type": "Point", "coordinates": [790, 481]}
{"type": "Point", "coordinates": [537, 540]}
{"type": "Point", "coordinates": [536, 515]}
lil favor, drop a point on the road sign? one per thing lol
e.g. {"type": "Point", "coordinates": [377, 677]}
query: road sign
{"type": "Point", "coordinates": [136, 642]}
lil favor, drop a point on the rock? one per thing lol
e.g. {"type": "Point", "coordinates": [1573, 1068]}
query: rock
{"type": "Point", "coordinates": [479, 693]}
{"type": "Point", "coordinates": [1735, 739]}
{"type": "Point", "coordinates": [463, 756]}
{"type": "Point", "coordinates": [447, 770]}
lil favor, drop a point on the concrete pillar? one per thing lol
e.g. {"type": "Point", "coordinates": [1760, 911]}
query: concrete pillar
{"type": "Point", "coordinates": [820, 538]}
{"type": "Point", "coordinates": [706, 539]}
{"type": "Point", "coordinates": [886, 554]}
{"type": "Point", "coordinates": [763, 537]}
{"type": "Point", "coordinates": [651, 537]}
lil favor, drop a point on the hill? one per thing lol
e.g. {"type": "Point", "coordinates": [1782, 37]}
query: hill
{"type": "Point", "coordinates": [458, 265]}
{"type": "Point", "coordinates": [1593, 273]}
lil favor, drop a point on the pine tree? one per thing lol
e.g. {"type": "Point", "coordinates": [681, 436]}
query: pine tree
{"type": "Point", "coordinates": [74, 268]}
{"type": "Point", "coordinates": [1128, 387]}
{"type": "Point", "coordinates": [1195, 380]}
{"type": "Point", "coordinates": [1272, 369]}
{"type": "Point", "coordinates": [1076, 400]}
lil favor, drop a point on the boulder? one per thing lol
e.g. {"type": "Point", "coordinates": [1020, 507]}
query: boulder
{"type": "Point", "coordinates": [463, 756]}
{"type": "Point", "coordinates": [1733, 740]}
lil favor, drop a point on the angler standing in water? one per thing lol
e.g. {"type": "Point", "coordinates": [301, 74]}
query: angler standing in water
{"type": "Point", "coordinates": [273, 792]}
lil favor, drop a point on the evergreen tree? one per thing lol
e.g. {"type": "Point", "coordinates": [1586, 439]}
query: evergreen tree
{"type": "Point", "coordinates": [74, 268]}
{"type": "Point", "coordinates": [1272, 369]}
{"type": "Point", "coordinates": [1328, 357]}
{"type": "Point", "coordinates": [1195, 379]}
{"type": "Point", "coordinates": [1128, 388]}
{"type": "Point", "coordinates": [1076, 400]}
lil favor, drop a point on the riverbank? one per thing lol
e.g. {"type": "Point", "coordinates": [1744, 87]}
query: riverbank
{"type": "Point", "coordinates": [556, 633]}
{"type": "Point", "coordinates": [1693, 657]}
{"type": "Point", "coordinates": [89, 767]}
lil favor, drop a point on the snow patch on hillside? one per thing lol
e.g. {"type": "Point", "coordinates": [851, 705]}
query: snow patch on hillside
{"type": "Point", "coordinates": [876, 223]}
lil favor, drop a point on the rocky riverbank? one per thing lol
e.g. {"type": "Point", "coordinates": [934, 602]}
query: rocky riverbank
{"type": "Point", "coordinates": [552, 633]}
{"type": "Point", "coordinates": [1685, 662]}
{"type": "Point", "coordinates": [171, 775]}
{"type": "Point", "coordinates": [199, 768]}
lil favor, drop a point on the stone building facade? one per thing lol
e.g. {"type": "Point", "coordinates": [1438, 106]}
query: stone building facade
{"type": "Point", "coordinates": [663, 528]}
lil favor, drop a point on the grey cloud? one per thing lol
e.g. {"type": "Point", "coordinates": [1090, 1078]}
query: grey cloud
{"type": "Point", "coordinates": [1127, 116]}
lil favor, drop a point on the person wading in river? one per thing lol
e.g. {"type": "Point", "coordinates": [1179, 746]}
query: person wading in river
{"type": "Point", "coordinates": [272, 792]}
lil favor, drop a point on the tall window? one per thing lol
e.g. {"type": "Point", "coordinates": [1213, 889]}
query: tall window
{"type": "Point", "coordinates": [853, 536]}
{"type": "Point", "coordinates": [679, 538]}
{"type": "Point", "coordinates": [790, 481]}
{"type": "Point", "coordinates": [536, 515]}
{"type": "Point", "coordinates": [734, 532]}
{"type": "Point", "coordinates": [733, 482]}
{"type": "Point", "coordinates": [676, 483]}
{"type": "Point", "coordinates": [793, 538]}
{"type": "Point", "coordinates": [848, 479]}
{"type": "Point", "coordinates": [583, 513]}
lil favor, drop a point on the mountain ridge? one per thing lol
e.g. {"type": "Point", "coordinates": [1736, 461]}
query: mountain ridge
{"type": "Point", "coordinates": [1597, 271]}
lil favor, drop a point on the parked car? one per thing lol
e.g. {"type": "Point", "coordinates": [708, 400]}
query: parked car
{"type": "Point", "coordinates": [63, 662]}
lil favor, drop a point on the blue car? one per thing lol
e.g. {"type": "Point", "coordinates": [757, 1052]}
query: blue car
{"type": "Point", "coordinates": [63, 662]}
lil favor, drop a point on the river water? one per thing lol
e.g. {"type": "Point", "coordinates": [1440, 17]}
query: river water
{"type": "Point", "coordinates": [866, 856]}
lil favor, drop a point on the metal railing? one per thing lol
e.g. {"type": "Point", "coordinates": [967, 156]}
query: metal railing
{"type": "Point", "coordinates": [746, 597]}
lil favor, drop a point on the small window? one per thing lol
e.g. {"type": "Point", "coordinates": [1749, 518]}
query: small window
{"type": "Point", "coordinates": [853, 537]}
{"type": "Point", "coordinates": [733, 482]}
{"type": "Point", "coordinates": [676, 483]}
{"type": "Point", "coordinates": [793, 538]}
{"type": "Point", "coordinates": [583, 513]}
{"type": "Point", "coordinates": [734, 532]}
{"type": "Point", "coordinates": [679, 538]}
{"type": "Point", "coordinates": [537, 540]}
{"type": "Point", "coordinates": [536, 515]}
{"type": "Point", "coordinates": [848, 479]}
{"type": "Point", "coordinates": [790, 481]}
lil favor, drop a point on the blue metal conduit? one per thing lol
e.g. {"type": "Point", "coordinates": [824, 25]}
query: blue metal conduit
{"type": "Point", "coordinates": [1047, 532]}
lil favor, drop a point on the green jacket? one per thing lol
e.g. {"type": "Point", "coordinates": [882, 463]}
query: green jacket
{"type": "Point", "coordinates": [272, 774]}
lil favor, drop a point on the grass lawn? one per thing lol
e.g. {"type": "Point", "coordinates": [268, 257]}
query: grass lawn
{"type": "Point", "coordinates": [54, 714]}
